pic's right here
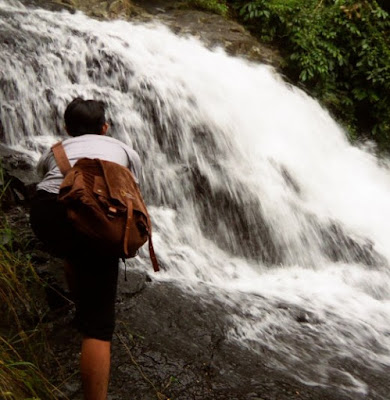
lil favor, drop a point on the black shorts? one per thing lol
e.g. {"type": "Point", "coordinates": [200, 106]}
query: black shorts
{"type": "Point", "coordinates": [96, 273]}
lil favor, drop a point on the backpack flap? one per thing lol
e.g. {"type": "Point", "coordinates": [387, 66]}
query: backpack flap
{"type": "Point", "coordinates": [101, 192]}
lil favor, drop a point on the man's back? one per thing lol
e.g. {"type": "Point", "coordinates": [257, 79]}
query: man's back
{"type": "Point", "coordinates": [89, 146]}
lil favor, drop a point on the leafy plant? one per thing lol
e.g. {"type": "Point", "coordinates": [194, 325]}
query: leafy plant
{"type": "Point", "coordinates": [339, 50]}
{"type": "Point", "coordinates": [215, 6]}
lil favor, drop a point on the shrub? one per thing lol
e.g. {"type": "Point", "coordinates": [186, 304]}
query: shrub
{"type": "Point", "coordinates": [215, 6]}
{"type": "Point", "coordinates": [339, 50]}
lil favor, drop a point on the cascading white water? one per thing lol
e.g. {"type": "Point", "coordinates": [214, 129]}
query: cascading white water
{"type": "Point", "coordinates": [253, 189]}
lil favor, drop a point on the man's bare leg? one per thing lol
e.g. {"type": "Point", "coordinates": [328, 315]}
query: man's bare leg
{"type": "Point", "coordinates": [95, 368]}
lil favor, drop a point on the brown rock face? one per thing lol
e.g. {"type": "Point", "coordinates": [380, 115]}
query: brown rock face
{"type": "Point", "coordinates": [213, 30]}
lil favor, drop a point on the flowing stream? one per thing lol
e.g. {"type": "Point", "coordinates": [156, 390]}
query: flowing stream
{"type": "Point", "coordinates": [256, 195]}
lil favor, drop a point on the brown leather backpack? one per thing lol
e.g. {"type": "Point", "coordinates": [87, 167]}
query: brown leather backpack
{"type": "Point", "coordinates": [104, 203]}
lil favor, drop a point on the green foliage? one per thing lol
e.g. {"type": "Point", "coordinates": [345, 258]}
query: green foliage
{"type": "Point", "coordinates": [338, 49]}
{"type": "Point", "coordinates": [22, 341]}
{"type": "Point", "coordinates": [21, 379]}
{"type": "Point", "coordinates": [215, 6]}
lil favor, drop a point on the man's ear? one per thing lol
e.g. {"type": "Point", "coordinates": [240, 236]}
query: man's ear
{"type": "Point", "coordinates": [104, 128]}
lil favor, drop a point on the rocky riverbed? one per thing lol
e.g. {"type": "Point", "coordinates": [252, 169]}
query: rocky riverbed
{"type": "Point", "coordinates": [169, 343]}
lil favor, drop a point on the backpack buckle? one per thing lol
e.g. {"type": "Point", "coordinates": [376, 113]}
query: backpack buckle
{"type": "Point", "coordinates": [112, 211]}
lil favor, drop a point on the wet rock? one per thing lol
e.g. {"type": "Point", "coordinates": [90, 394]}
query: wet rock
{"type": "Point", "coordinates": [217, 31]}
{"type": "Point", "coordinates": [72, 388]}
{"type": "Point", "coordinates": [18, 165]}
{"type": "Point", "coordinates": [304, 317]}
{"type": "Point", "coordinates": [235, 223]}
{"type": "Point", "coordinates": [171, 342]}
{"type": "Point", "coordinates": [174, 343]}
{"type": "Point", "coordinates": [100, 9]}
{"type": "Point", "coordinates": [2, 134]}
{"type": "Point", "coordinates": [134, 285]}
{"type": "Point", "coordinates": [17, 177]}
{"type": "Point", "coordinates": [339, 246]}
{"type": "Point", "coordinates": [213, 30]}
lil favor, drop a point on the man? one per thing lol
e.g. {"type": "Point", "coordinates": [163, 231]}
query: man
{"type": "Point", "coordinates": [91, 273]}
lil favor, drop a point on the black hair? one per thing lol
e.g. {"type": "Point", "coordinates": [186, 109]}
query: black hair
{"type": "Point", "coordinates": [84, 117]}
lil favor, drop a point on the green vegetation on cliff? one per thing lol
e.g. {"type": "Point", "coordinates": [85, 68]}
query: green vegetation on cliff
{"type": "Point", "coordinates": [338, 50]}
{"type": "Point", "coordinates": [215, 6]}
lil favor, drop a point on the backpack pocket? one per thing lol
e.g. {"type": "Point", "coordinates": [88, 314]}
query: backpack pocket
{"type": "Point", "coordinates": [111, 206]}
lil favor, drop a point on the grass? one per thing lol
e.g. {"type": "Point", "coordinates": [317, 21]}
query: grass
{"type": "Point", "coordinates": [20, 379]}
{"type": "Point", "coordinates": [23, 346]}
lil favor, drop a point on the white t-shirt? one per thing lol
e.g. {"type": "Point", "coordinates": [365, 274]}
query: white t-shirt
{"type": "Point", "coordinates": [89, 146]}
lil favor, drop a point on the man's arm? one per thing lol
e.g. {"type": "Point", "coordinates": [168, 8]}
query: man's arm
{"type": "Point", "coordinates": [43, 165]}
{"type": "Point", "coordinates": [135, 165]}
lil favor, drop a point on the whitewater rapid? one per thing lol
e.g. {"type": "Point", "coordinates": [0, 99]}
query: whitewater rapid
{"type": "Point", "coordinates": [246, 178]}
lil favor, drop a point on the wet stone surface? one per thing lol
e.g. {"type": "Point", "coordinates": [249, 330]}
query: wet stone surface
{"type": "Point", "coordinates": [213, 30]}
{"type": "Point", "coordinates": [170, 344]}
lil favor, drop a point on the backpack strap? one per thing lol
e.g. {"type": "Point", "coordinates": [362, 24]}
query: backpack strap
{"type": "Point", "coordinates": [152, 254]}
{"type": "Point", "coordinates": [61, 158]}
{"type": "Point", "coordinates": [153, 257]}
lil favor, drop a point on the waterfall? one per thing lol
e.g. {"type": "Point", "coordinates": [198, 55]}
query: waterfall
{"type": "Point", "coordinates": [256, 196]}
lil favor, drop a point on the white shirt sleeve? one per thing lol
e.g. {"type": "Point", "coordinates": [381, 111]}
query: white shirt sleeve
{"type": "Point", "coordinates": [43, 164]}
{"type": "Point", "coordinates": [134, 163]}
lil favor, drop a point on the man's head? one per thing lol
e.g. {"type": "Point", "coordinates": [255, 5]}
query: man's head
{"type": "Point", "coordinates": [84, 117]}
